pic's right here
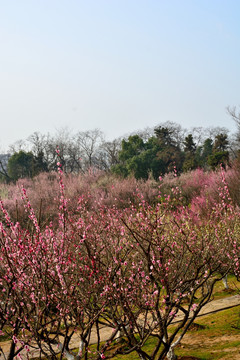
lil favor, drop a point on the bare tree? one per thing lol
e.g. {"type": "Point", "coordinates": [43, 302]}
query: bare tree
{"type": "Point", "coordinates": [145, 134]}
{"type": "Point", "coordinates": [3, 166]}
{"type": "Point", "coordinates": [88, 143]}
{"type": "Point", "coordinates": [200, 134]}
{"type": "Point", "coordinates": [108, 153]}
{"type": "Point", "coordinates": [235, 115]}
{"type": "Point", "coordinates": [38, 142]}
{"type": "Point", "coordinates": [18, 146]}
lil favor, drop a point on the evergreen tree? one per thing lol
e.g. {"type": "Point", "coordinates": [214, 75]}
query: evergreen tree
{"type": "Point", "coordinates": [24, 164]}
{"type": "Point", "coordinates": [220, 155]}
{"type": "Point", "coordinates": [170, 153]}
{"type": "Point", "coordinates": [190, 162]}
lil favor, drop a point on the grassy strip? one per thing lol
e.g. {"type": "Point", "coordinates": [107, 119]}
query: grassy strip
{"type": "Point", "coordinates": [217, 336]}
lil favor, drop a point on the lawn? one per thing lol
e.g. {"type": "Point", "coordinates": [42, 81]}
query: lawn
{"type": "Point", "coordinates": [216, 336]}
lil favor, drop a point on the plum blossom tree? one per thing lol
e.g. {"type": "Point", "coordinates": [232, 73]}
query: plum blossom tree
{"type": "Point", "coordinates": [176, 259]}
{"type": "Point", "coordinates": [134, 271]}
{"type": "Point", "coordinates": [54, 281]}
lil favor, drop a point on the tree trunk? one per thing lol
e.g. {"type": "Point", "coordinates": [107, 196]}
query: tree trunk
{"type": "Point", "coordinates": [12, 351]}
{"type": "Point", "coordinates": [171, 355]}
{"type": "Point", "coordinates": [141, 357]}
{"type": "Point", "coordinates": [225, 282]}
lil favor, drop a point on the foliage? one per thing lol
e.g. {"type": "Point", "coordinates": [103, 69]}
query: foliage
{"type": "Point", "coordinates": [136, 157]}
{"type": "Point", "coordinates": [170, 152]}
{"type": "Point", "coordinates": [220, 155]}
{"type": "Point", "coordinates": [148, 153]}
{"type": "Point", "coordinates": [190, 161]}
{"type": "Point", "coordinates": [218, 158]}
{"type": "Point", "coordinates": [203, 152]}
{"type": "Point", "coordinates": [156, 156]}
{"type": "Point", "coordinates": [24, 164]}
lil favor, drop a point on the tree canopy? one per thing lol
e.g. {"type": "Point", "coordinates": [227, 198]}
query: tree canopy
{"type": "Point", "coordinates": [153, 152]}
{"type": "Point", "coordinates": [24, 164]}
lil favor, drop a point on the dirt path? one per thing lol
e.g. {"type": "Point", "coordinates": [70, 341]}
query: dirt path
{"type": "Point", "coordinates": [211, 307]}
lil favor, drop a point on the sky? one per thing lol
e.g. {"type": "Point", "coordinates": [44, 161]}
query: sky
{"type": "Point", "coordinates": [116, 65]}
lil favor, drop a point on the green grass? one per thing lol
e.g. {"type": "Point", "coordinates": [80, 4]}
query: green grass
{"type": "Point", "coordinates": [206, 343]}
{"type": "Point", "coordinates": [220, 292]}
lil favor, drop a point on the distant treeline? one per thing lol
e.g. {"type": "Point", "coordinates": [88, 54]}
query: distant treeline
{"type": "Point", "coordinates": [151, 152]}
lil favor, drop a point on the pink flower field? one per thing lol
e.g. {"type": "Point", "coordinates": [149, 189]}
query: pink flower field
{"type": "Point", "coordinates": [79, 253]}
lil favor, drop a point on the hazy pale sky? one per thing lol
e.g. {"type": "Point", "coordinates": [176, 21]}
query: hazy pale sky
{"type": "Point", "coordinates": [116, 65]}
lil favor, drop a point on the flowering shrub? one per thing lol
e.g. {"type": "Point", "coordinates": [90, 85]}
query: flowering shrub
{"type": "Point", "coordinates": [93, 185]}
{"type": "Point", "coordinates": [129, 266]}
{"type": "Point", "coordinates": [200, 189]}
